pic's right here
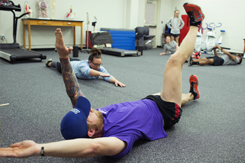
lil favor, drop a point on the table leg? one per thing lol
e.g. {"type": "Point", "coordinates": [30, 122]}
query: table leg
{"type": "Point", "coordinates": [74, 36]}
{"type": "Point", "coordinates": [24, 36]}
{"type": "Point", "coordinates": [81, 37]}
{"type": "Point", "coordinates": [29, 36]}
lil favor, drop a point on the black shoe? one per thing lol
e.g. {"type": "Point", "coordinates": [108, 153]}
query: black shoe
{"type": "Point", "coordinates": [48, 61]}
{"type": "Point", "coordinates": [190, 61]}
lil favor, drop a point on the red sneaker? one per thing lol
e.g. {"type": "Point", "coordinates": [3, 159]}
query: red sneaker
{"type": "Point", "coordinates": [194, 87]}
{"type": "Point", "coordinates": [195, 14]}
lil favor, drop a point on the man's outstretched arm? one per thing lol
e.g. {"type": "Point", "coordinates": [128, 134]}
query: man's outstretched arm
{"type": "Point", "coordinates": [79, 148]}
{"type": "Point", "coordinates": [70, 80]}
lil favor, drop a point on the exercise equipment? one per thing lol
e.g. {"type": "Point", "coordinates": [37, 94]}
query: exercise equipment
{"type": "Point", "coordinates": [104, 38]}
{"type": "Point", "coordinates": [119, 52]}
{"type": "Point", "coordinates": [13, 52]}
{"type": "Point", "coordinates": [118, 42]}
{"type": "Point", "coordinates": [123, 42]}
{"type": "Point", "coordinates": [144, 40]}
{"type": "Point", "coordinates": [211, 37]}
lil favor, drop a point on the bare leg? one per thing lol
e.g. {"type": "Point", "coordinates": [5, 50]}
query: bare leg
{"type": "Point", "coordinates": [172, 38]}
{"type": "Point", "coordinates": [172, 86]}
{"type": "Point", "coordinates": [184, 98]}
{"type": "Point", "coordinates": [200, 59]}
{"type": "Point", "coordinates": [177, 40]}
{"type": "Point", "coordinates": [203, 61]}
{"type": "Point", "coordinates": [49, 64]}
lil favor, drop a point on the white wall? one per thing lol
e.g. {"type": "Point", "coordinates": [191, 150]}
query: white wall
{"type": "Point", "coordinates": [110, 13]}
{"type": "Point", "coordinates": [127, 14]}
{"type": "Point", "coordinates": [134, 13]}
{"type": "Point", "coordinates": [166, 11]}
{"type": "Point", "coordinates": [229, 13]}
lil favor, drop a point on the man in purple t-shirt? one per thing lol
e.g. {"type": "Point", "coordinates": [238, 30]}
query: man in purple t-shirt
{"type": "Point", "coordinates": [116, 127]}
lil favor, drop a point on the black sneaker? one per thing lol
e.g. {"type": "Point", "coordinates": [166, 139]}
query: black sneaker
{"type": "Point", "coordinates": [48, 61]}
{"type": "Point", "coordinates": [190, 61]}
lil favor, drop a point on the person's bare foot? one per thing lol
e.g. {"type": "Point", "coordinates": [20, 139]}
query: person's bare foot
{"type": "Point", "coordinates": [62, 50]}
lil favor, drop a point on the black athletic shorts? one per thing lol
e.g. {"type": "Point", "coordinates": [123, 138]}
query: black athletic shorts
{"type": "Point", "coordinates": [174, 35]}
{"type": "Point", "coordinates": [171, 112]}
{"type": "Point", "coordinates": [217, 60]}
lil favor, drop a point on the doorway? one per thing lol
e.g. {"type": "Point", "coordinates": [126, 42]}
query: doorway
{"type": "Point", "coordinates": [151, 19]}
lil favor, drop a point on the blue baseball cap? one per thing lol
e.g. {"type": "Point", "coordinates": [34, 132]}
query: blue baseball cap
{"type": "Point", "coordinates": [74, 123]}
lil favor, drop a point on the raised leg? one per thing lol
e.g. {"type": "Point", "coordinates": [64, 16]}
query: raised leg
{"type": "Point", "coordinates": [172, 86]}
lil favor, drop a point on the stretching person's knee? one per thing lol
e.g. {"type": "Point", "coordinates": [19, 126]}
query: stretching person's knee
{"type": "Point", "coordinates": [176, 59]}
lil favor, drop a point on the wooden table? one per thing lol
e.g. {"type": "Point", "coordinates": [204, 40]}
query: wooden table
{"type": "Point", "coordinates": [51, 22]}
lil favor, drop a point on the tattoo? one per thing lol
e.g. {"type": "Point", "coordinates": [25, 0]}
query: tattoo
{"type": "Point", "coordinates": [70, 80]}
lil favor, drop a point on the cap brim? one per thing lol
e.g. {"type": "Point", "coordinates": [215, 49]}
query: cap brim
{"type": "Point", "coordinates": [83, 105]}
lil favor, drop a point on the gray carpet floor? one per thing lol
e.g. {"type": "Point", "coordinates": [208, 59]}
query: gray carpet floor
{"type": "Point", "coordinates": [211, 129]}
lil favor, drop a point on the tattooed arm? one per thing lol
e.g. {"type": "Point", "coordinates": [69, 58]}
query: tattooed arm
{"type": "Point", "coordinates": [70, 80]}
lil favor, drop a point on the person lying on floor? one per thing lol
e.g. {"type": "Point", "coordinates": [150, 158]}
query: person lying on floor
{"type": "Point", "coordinates": [116, 127]}
{"type": "Point", "coordinates": [227, 59]}
{"type": "Point", "coordinates": [88, 69]}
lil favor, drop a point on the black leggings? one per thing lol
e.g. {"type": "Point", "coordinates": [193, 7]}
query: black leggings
{"type": "Point", "coordinates": [58, 66]}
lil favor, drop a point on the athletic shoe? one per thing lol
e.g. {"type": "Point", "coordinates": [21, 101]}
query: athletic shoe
{"type": "Point", "coordinates": [193, 87]}
{"type": "Point", "coordinates": [197, 55]}
{"type": "Point", "coordinates": [48, 61]}
{"type": "Point", "coordinates": [190, 61]}
{"type": "Point", "coordinates": [195, 14]}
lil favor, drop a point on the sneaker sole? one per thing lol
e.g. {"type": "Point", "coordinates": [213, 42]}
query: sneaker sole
{"type": "Point", "coordinates": [194, 77]}
{"type": "Point", "coordinates": [202, 16]}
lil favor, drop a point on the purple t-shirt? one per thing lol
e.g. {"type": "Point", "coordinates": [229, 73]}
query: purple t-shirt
{"type": "Point", "coordinates": [130, 121]}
